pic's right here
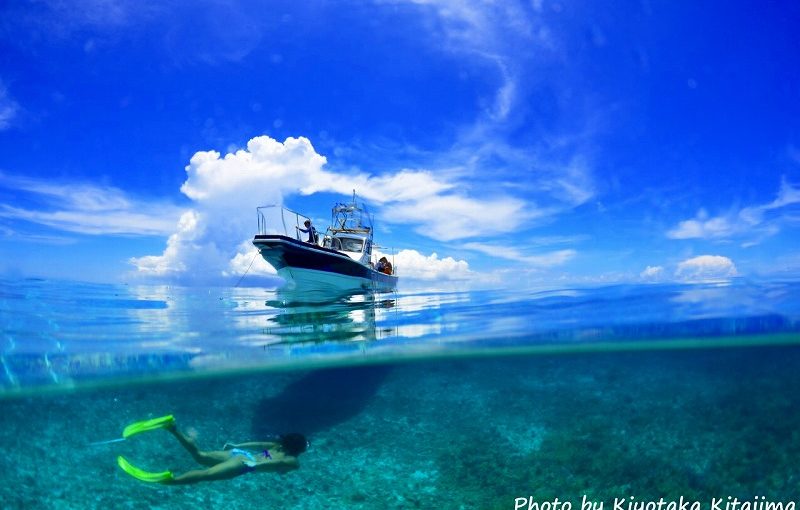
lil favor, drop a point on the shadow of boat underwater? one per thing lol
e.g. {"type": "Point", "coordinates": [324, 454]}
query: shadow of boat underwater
{"type": "Point", "coordinates": [319, 400]}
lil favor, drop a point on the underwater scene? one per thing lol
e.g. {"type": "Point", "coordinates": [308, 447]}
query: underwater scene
{"type": "Point", "coordinates": [635, 397]}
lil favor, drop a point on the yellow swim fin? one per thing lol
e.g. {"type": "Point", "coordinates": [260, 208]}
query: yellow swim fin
{"type": "Point", "coordinates": [143, 475]}
{"type": "Point", "coordinates": [144, 426]}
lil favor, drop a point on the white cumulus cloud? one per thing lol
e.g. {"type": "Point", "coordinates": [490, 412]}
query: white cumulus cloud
{"type": "Point", "coordinates": [249, 261]}
{"type": "Point", "coordinates": [416, 266]}
{"type": "Point", "coordinates": [225, 192]}
{"type": "Point", "coordinates": [212, 238]}
{"type": "Point", "coordinates": [706, 267]}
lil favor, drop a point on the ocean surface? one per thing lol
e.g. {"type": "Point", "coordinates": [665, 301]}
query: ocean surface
{"type": "Point", "coordinates": [415, 399]}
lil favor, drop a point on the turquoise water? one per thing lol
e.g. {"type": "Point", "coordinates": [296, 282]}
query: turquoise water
{"type": "Point", "coordinates": [410, 400]}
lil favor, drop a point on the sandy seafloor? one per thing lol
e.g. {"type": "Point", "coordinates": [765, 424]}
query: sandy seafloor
{"type": "Point", "coordinates": [448, 434]}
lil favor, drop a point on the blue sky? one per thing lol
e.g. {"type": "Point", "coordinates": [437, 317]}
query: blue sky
{"type": "Point", "coordinates": [539, 142]}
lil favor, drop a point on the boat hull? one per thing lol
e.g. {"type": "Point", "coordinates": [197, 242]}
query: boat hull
{"type": "Point", "coordinates": [305, 265]}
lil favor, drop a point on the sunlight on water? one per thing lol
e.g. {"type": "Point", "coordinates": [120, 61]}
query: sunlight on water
{"type": "Point", "coordinates": [67, 334]}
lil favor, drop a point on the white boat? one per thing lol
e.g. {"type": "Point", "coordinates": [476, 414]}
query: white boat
{"type": "Point", "coordinates": [341, 261]}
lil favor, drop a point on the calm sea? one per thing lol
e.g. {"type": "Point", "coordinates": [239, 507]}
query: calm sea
{"type": "Point", "coordinates": [424, 399]}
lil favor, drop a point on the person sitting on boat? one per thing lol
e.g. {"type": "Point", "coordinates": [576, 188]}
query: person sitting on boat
{"type": "Point", "coordinates": [384, 266]}
{"type": "Point", "coordinates": [278, 456]}
{"type": "Point", "coordinates": [310, 230]}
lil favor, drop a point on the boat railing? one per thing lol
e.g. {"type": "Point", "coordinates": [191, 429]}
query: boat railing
{"type": "Point", "coordinates": [279, 219]}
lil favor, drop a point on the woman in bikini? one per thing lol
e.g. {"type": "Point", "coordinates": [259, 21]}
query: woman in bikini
{"type": "Point", "coordinates": [278, 456]}
{"type": "Point", "coordinates": [274, 456]}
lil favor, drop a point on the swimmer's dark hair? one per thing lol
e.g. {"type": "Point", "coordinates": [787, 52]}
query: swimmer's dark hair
{"type": "Point", "coordinates": [293, 444]}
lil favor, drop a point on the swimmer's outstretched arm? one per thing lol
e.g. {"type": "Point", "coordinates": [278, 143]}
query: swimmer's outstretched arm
{"type": "Point", "coordinates": [206, 458]}
{"type": "Point", "coordinates": [258, 445]}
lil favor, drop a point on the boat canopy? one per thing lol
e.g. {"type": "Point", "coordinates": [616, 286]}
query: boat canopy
{"type": "Point", "coordinates": [350, 218]}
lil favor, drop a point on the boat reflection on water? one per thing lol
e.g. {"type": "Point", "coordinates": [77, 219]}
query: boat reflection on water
{"type": "Point", "coordinates": [318, 317]}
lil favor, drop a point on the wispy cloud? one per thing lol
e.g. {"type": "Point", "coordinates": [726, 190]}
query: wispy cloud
{"type": "Point", "coordinates": [17, 236]}
{"type": "Point", "coordinates": [208, 32]}
{"type": "Point", "coordinates": [652, 273]}
{"type": "Point", "coordinates": [86, 18]}
{"type": "Point", "coordinates": [753, 223]}
{"type": "Point", "coordinates": [99, 13]}
{"type": "Point", "coordinates": [87, 208]}
{"type": "Point", "coordinates": [549, 259]}
{"type": "Point", "coordinates": [8, 108]}
{"type": "Point", "coordinates": [553, 175]}
{"type": "Point", "coordinates": [451, 217]}
{"type": "Point", "coordinates": [504, 34]}
{"type": "Point", "coordinates": [489, 151]}
{"type": "Point", "coordinates": [794, 153]}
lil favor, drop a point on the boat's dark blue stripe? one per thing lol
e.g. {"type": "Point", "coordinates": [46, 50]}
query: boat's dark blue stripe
{"type": "Point", "coordinates": [282, 251]}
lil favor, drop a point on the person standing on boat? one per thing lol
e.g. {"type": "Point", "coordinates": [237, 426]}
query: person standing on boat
{"type": "Point", "coordinates": [310, 230]}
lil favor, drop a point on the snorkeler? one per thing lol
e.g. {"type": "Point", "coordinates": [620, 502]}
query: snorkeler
{"type": "Point", "coordinates": [278, 456]}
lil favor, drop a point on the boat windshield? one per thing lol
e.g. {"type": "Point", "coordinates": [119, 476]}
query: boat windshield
{"type": "Point", "coordinates": [350, 244]}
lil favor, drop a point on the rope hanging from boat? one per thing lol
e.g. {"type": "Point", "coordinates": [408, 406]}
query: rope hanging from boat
{"type": "Point", "coordinates": [248, 270]}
